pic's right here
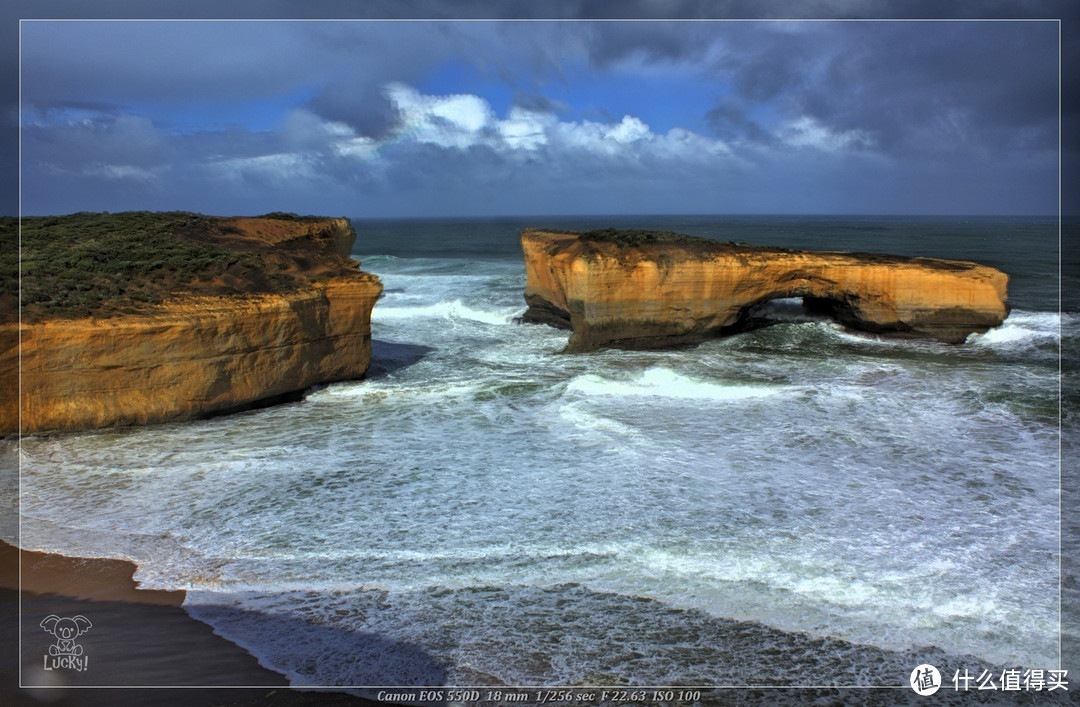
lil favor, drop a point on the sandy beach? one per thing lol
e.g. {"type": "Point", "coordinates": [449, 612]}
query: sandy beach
{"type": "Point", "coordinates": [138, 638]}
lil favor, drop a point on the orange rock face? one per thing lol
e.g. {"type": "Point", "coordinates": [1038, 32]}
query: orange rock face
{"type": "Point", "coordinates": [655, 294]}
{"type": "Point", "coordinates": [191, 357]}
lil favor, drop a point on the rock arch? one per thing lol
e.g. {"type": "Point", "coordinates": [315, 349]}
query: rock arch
{"type": "Point", "coordinates": [649, 292]}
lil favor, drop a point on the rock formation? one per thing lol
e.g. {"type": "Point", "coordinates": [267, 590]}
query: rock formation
{"type": "Point", "coordinates": [220, 346]}
{"type": "Point", "coordinates": [647, 290]}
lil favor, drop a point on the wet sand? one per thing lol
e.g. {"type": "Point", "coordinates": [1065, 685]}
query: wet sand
{"type": "Point", "coordinates": [137, 638]}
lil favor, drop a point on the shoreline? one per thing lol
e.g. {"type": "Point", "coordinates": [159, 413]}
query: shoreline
{"type": "Point", "coordinates": [138, 639]}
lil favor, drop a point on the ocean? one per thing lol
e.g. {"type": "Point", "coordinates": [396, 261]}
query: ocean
{"type": "Point", "coordinates": [794, 505]}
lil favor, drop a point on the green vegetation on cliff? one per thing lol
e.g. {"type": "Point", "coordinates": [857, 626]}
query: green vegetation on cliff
{"type": "Point", "coordinates": [637, 237]}
{"type": "Point", "coordinates": [101, 264]}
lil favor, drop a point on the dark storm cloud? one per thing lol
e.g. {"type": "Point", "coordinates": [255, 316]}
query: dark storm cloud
{"type": "Point", "coordinates": [648, 42]}
{"type": "Point", "coordinates": [161, 61]}
{"type": "Point", "coordinates": [733, 124]}
{"type": "Point", "coordinates": [998, 80]}
{"type": "Point", "coordinates": [366, 109]}
{"type": "Point", "coordinates": [357, 60]}
{"type": "Point", "coordinates": [915, 88]}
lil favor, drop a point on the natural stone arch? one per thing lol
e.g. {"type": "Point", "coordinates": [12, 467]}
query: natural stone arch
{"type": "Point", "coordinates": [647, 292]}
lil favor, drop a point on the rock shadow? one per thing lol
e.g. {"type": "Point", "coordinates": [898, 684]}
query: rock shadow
{"type": "Point", "coordinates": [322, 655]}
{"type": "Point", "coordinates": [392, 356]}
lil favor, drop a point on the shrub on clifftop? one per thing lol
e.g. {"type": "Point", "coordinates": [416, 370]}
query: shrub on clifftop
{"type": "Point", "coordinates": [101, 264]}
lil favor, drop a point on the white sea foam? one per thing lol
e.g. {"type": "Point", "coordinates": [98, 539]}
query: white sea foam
{"type": "Point", "coordinates": [1020, 329]}
{"type": "Point", "coordinates": [839, 331]}
{"type": "Point", "coordinates": [381, 391]}
{"type": "Point", "coordinates": [666, 383]}
{"type": "Point", "coordinates": [454, 309]}
{"type": "Point", "coordinates": [577, 415]}
{"type": "Point", "coordinates": [826, 581]}
{"type": "Point", "coordinates": [497, 552]}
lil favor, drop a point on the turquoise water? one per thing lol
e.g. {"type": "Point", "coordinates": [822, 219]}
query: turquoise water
{"type": "Point", "coordinates": [795, 505]}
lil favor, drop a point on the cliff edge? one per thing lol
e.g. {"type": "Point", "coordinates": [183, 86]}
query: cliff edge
{"type": "Point", "coordinates": [641, 289]}
{"type": "Point", "coordinates": [143, 318]}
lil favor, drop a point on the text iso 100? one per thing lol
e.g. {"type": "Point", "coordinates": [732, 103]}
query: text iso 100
{"type": "Point", "coordinates": [675, 695]}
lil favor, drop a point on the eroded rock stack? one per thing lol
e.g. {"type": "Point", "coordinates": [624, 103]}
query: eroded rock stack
{"type": "Point", "coordinates": [212, 349]}
{"type": "Point", "coordinates": [648, 290]}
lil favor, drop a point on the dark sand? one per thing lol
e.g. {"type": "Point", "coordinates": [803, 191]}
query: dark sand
{"type": "Point", "coordinates": [138, 638]}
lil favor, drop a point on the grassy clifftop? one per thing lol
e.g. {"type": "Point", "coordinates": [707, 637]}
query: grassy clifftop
{"type": "Point", "coordinates": [100, 264]}
{"type": "Point", "coordinates": [636, 237]}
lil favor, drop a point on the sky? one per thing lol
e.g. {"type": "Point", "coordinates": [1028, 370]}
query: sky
{"type": "Point", "coordinates": [489, 118]}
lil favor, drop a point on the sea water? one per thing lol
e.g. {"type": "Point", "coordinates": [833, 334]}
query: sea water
{"type": "Point", "coordinates": [796, 505]}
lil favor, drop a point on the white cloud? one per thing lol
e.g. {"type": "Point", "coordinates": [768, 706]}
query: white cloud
{"type": "Point", "coordinates": [111, 172]}
{"type": "Point", "coordinates": [631, 139]}
{"type": "Point", "coordinates": [808, 132]}
{"type": "Point", "coordinates": [462, 121]}
{"type": "Point", "coordinates": [446, 121]}
{"type": "Point", "coordinates": [525, 129]}
{"type": "Point", "coordinates": [687, 144]}
{"type": "Point", "coordinates": [121, 171]}
{"type": "Point", "coordinates": [438, 134]}
{"type": "Point", "coordinates": [357, 147]}
{"type": "Point", "coordinates": [630, 130]}
{"type": "Point", "coordinates": [278, 167]}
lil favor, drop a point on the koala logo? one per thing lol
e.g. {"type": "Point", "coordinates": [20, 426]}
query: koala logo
{"type": "Point", "coordinates": [66, 653]}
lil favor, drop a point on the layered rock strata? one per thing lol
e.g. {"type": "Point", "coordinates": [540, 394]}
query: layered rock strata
{"type": "Point", "coordinates": [648, 290]}
{"type": "Point", "coordinates": [195, 354]}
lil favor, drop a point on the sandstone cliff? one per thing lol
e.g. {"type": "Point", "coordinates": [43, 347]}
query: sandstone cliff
{"type": "Point", "coordinates": [221, 344]}
{"type": "Point", "coordinates": [648, 291]}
